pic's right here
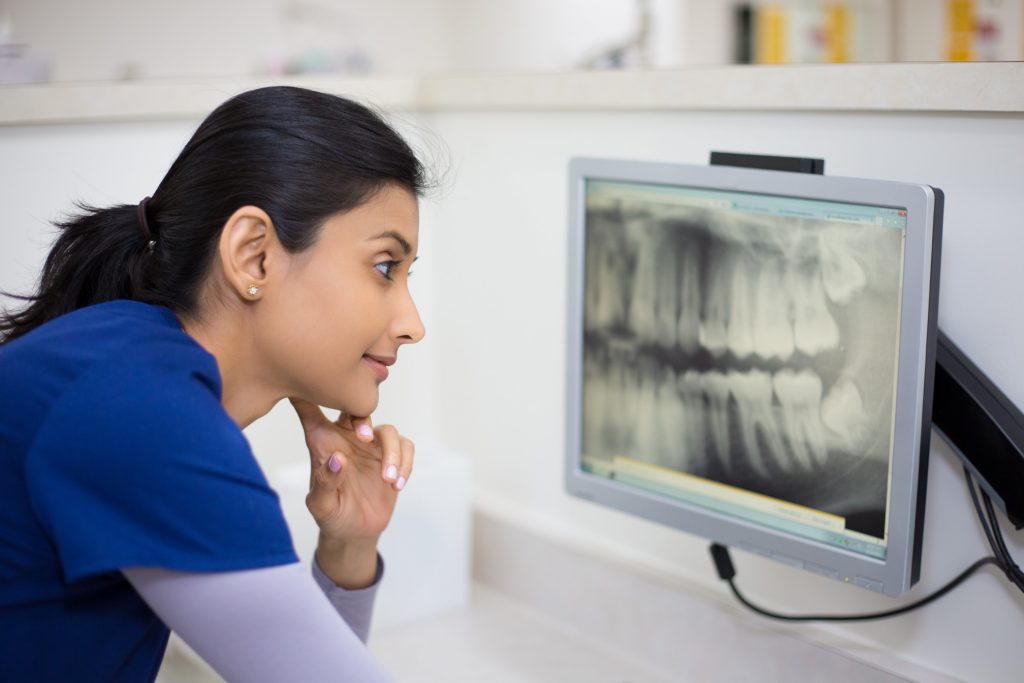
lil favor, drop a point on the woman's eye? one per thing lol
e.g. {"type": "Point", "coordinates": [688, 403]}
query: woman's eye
{"type": "Point", "coordinates": [385, 268]}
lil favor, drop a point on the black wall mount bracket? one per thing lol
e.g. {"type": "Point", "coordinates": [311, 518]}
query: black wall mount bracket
{"type": "Point", "coordinates": [982, 426]}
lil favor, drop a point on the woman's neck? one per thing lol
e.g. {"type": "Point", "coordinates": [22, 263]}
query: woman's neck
{"type": "Point", "coordinates": [245, 394]}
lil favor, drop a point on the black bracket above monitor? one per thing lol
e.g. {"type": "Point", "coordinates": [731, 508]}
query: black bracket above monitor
{"type": "Point", "coordinates": [981, 425]}
{"type": "Point", "coordinates": [769, 163]}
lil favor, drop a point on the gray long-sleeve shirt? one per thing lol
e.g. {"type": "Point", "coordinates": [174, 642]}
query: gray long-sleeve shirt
{"type": "Point", "coordinates": [268, 624]}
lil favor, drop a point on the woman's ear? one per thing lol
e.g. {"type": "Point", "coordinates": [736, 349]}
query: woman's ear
{"type": "Point", "coordinates": [248, 243]}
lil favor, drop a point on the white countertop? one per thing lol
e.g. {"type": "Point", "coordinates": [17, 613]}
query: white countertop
{"type": "Point", "coordinates": [494, 639]}
{"type": "Point", "coordinates": [541, 610]}
{"type": "Point", "coordinates": [938, 87]}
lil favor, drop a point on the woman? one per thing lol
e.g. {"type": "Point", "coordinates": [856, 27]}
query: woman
{"type": "Point", "coordinates": [271, 262]}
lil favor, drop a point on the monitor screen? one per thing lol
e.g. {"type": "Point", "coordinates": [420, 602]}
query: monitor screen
{"type": "Point", "coordinates": [749, 359]}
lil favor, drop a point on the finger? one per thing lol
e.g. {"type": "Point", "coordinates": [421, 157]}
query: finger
{"type": "Point", "coordinates": [325, 482]}
{"type": "Point", "coordinates": [391, 449]}
{"type": "Point", "coordinates": [310, 414]}
{"type": "Point", "coordinates": [405, 468]}
{"type": "Point", "coordinates": [362, 426]}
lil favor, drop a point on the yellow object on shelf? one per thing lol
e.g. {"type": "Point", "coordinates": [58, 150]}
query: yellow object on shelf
{"type": "Point", "coordinates": [959, 46]}
{"type": "Point", "coordinates": [837, 47]}
{"type": "Point", "coordinates": [770, 22]}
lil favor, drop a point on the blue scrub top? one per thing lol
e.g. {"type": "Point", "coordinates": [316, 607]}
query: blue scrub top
{"type": "Point", "coordinates": [115, 452]}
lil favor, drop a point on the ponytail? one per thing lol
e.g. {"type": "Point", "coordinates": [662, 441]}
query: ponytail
{"type": "Point", "coordinates": [300, 155]}
{"type": "Point", "coordinates": [99, 255]}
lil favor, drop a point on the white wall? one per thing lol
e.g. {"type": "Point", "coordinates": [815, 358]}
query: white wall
{"type": "Point", "coordinates": [501, 319]}
{"type": "Point", "coordinates": [534, 35]}
{"type": "Point", "coordinates": [43, 169]}
{"type": "Point", "coordinates": [107, 39]}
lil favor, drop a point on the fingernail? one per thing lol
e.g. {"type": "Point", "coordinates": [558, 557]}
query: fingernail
{"type": "Point", "coordinates": [334, 463]}
{"type": "Point", "coordinates": [400, 484]}
{"type": "Point", "coordinates": [391, 472]}
{"type": "Point", "coordinates": [365, 430]}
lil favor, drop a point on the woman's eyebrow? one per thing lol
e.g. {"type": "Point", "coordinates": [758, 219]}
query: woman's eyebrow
{"type": "Point", "coordinates": [391, 234]}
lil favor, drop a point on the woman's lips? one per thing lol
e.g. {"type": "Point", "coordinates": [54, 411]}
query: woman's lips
{"type": "Point", "coordinates": [379, 365]}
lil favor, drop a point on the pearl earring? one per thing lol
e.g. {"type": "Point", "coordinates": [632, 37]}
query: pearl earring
{"type": "Point", "coordinates": [253, 290]}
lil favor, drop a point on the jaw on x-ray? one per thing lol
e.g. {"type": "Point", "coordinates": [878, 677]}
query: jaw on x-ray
{"type": "Point", "coordinates": [756, 351]}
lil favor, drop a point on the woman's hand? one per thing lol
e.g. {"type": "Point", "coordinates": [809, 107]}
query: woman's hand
{"type": "Point", "coordinates": [356, 472]}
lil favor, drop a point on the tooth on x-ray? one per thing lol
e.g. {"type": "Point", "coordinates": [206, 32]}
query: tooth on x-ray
{"type": "Point", "coordinates": [692, 429]}
{"type": "Point", "coordinates": [842, 275]}
{"type": "Point", "coordinates": [773, 331]}
{"type": "Point", "coordinates": [642, 319]}
{"type": "Point", "coordinates": [671, 449]}
{"type": "Point", "coordinates": [688, 325]}
{"type": "Point", "coordinates": [753, 394]}
{"type": "Point", "coordinates": [646, 434]}
{"type": "Point", "coordinates": [740, 330]}
{"type": "Point", "coordinates": [712, 334]}
{"type": "Point", "coordinates": [716, 388]}
{"type": "Point", "coordinates": [799, 395]}
{"type": "Point", "coordinates": [666, 298]}
{"type": "Point", "coordinates": [606, 273]}
{"type": "Point", "coordinates": [842, 411]}
{"type": "Point", "coordinates": [814, 328]}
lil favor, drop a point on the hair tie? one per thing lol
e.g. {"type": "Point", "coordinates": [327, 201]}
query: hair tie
{"type": "Point", "coordinates": [144, 224]}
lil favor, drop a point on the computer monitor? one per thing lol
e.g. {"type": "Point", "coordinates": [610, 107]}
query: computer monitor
{"type": "Point", "coordinates": [751, 357]}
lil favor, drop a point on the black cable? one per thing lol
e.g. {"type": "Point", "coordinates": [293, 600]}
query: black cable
{"type": "Point", "coordinates": [871, 615]}
{"type": "Point", "coordinates": [981, 514]}
{"type": "Point", "coordinates": [990, 525]}
{"type": "Point", "coordinates": [1013, 572]}
{"type": "Point", "coordinates": [1009, 566]}
{"type": "Point", "coordinates": [993, 524]}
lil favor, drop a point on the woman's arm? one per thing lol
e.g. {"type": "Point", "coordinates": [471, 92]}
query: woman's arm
{"type": "Point", "coordinates": [271, 624]}
{"type": "Point", "coordinates": [354, 605]}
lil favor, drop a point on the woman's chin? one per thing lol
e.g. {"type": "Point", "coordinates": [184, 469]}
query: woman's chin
{"type": "Point", "coordinates": [361, 406]}
{"type": "Point", "coordinates": [357, 404]}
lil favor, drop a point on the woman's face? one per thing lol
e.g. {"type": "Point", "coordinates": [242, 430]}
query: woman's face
{"type": "Point", "coordinates": [342, 308]}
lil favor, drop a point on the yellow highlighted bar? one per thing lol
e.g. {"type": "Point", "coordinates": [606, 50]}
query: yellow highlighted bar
{"type": "Point", "coordinates": [688, 483]}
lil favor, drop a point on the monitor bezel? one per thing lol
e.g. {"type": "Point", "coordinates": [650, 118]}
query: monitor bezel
{"type": "Point", "coordinates": [899, 570]}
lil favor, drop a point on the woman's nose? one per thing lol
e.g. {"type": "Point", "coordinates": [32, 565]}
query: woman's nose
{"type": "Point", "coordinates": [409, 326]}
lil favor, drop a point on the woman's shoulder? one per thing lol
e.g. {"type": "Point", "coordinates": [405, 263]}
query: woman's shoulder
{"type": "Point", "coordinates": [123, 366]}
{"type": "Point", "coordinates": [148, 388]}
{"type": "Point", "coordinates": [105, 337]}
{"type": "Point", "coordinates": [135, 462]}
{"type": "Point", "coordinates": [118, 325]}
{"type": "Point", "coordinates": [150, 340]}
{"type": "Point", "coordinates": [146, 368]}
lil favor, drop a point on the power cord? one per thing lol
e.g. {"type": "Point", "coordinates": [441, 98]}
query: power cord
{"type": "Point", "coordinates": [989, 523]}
{"type": "Point", "coordinates": [842, 617]}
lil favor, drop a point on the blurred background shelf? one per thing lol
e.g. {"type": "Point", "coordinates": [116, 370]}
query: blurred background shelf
{"type": "Point", "coordinates": [63, 41]}
{"type": "Point", "coordinates": [951, 87]}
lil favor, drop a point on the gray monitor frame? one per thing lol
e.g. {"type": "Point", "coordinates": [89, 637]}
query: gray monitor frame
{"type": "Point", "coordinates": [899, 570]}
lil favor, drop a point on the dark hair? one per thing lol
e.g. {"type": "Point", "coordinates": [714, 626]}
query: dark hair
{"type": "Point", "coordinates": [301, 156]}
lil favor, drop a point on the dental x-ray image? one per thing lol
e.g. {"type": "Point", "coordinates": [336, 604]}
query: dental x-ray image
{"type": "Point", "coordinates": [754, 350]}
